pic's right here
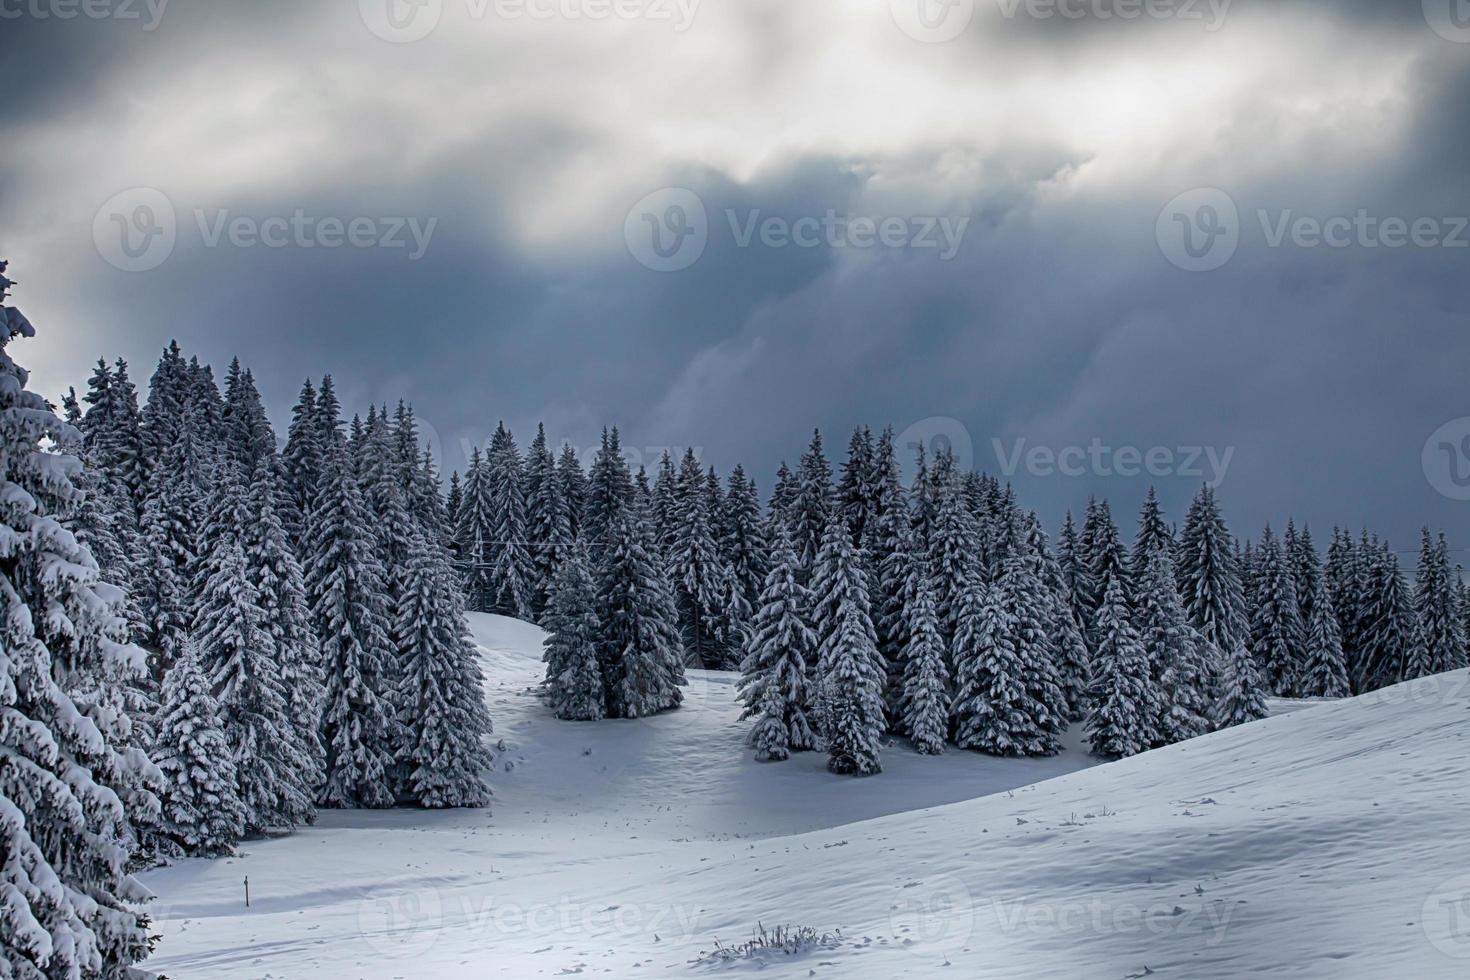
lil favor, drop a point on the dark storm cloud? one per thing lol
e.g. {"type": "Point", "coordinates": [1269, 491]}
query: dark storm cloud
{"type": "Point", "coordinates": [1058, 323]}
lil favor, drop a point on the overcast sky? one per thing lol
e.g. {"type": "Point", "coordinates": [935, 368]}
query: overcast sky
{"type": "Point", "coordinates": [1076, 237]}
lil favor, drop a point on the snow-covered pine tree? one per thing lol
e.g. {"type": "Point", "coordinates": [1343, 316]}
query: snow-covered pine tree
{"type": "Point", "coordinates": [783, 497]}
{"type": "Point", "coordinates": [1007, 700]}
{"type": "Point", "coordinates": [573, 483]}
{"type": "Point", "coordinates": [301, 464]}
{"type": "Point", "coordinates": [1153, 534]}
{"type": "Point", "coordinates": [1242, 691]}
{"type": "Point", "coordinates": [638, 645]}
{"type": "Point", "coordinates": [1437, 605]}
{"type": "Point", "coordinates": [664, 504]}
{"type": "Point", "coordinates": [1067, 647]}
{"type": "Point", "coordinates": [474, 532]}
{"type": "Point", "coordinates": [1107, 560]}
{"type": "Point", "coordinates": [1074, 569]}
{"type": "Point", "coordinates": [1306, 567]}
{"type": "Point", "coordinates": [743, 543]}
{"type": "Point", "coordinates": [954, 558]}
{"type": "Point", "coordinates": [67, 776]}
{"type": "Point", "coordinates": [344, 586]}
{"type": "Point", "coordinates": [814, 503]}
{"type": "Point", "coordinates": [1125, 700]}
{"type": "Point", "coordinates": [923, 711]}
{"type": "Point", "coordinates": [780, 651]}
{"type": "Point", "coordinates": [512, 576]}
{"type": "Point", "coordinates": [440, 701]}
{"type": "Point", "coordinates": [857, 489]}
{"type": "Point", "coordinates": [287, 691]}
{"type": "Point", "coordinates": [1324, 675]}
{"type": "Point", "coordinates": [1173, 648]}
{"type": "Point", "coordinates": [1392, 630]}
{"type": "Point", "coordinates": [850, 673]}
{"type": "Point", "coordinates": [202, 811]}
{"type": "Point", "coordinates": [1209, 579]}
{"type": "Point", "coordinates": [699, 578]}
{"type": "Point", "coordinates": [609, 495]}
{"type": "Point", "coordinates": [1278, 636]}
{"type": "Point", "coordinates": [573, 676]}
{"type": "Point", "coordinates": [249, 438]}
{"type": "Point", "coordinates": [548, 521]}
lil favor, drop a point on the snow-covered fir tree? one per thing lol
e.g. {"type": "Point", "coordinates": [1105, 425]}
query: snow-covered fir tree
{"type": "Point", "coordinates": [511, 576]}
{"type": "Point", "coordinates": [202, 810]}
{"type": "Point", "coordinates": [638, 646]}
{"type": "Point", "coordinates": [1124, 697]}
{"type": "Point", "coordinates": [439, 704]}
{"type": "Point", "coordinates": [1174, 650]}
{"type": "Point", "coordinates": [813, 503]}
{"type": "Point", "coordinates": [68, 905]}
{"type": "Point", "coordinates": [700, 579]}
{"type": "Point", "coordinates": [851, 675]}
{"type": "Point", "coordinates": [548, 521]}
{"type": "Point", "coordinates": [1390, 633]}
{"type": "Point", "coordinates": [1324, 674]}
{"type": "Point", "coordinates": [780, 652]}
{"type": "Point", "coordinates": [1278, 636]}
{"type": "Point", "coordinates": [1209, 580]}
{"type": "Point", "coordinates": [743, 542]}
{"type": "Point", "coordinates": [1242, 691]}
{"type": "Point", "coordinates": [474, 532]}
{"type": "Point", "coordinates": [857, 489]}
{"type": "Point", "coordinates": [924, 706]}
{"type": "Point", "coordinates": [346, 595]}
{"type": "Point", "coordinates": [1437, 606]}
{"type": "Point", "coordinates": [573, 675]}
{"type": "Point", "coordinates": [1007, 700]}
{"type": "Point", "coordinates": [1153, 535]}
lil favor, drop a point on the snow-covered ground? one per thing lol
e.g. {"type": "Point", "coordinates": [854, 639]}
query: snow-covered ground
{"type": "Point", "coordinates": [1330, 840]}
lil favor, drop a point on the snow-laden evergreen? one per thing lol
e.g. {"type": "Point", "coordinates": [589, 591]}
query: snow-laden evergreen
{"type": "Point", "coordinates": [511, 576]}
{"type": "Point", "coordinates": [67, 776]}
{"type": "Point", "coordinates": [1324, 673]}
{"type": "Point", "coordinates": [573, 676]}
{"type": "Point", "coordinates": [349, 611]}
{"type": "Point", "coordinates": [1242, 690]}
{"type": "Point", "coordinates": [700, 579]}
{"type": "Point", "coordinates": [638, 644]}
{"type": "Point", "coordinates": [1007, 698]}
{"type": "Point", "coordinates": [1175, 652]}
{"type": "Point", "coordinates": [780, 652]}
{"type": "Point", "coordinates": [1124, 696]}
{"type": "Point", "coordinates": [440, 701]}
{"type": "Point", "coordinates": [850, 674]}
{"type": "Point", "coordinates": [1278, 636]}
{"type": "Point", "coordinates": [1209, 579]}
{"type": "Point", "coordinates": [924, 707]}
{"type": "Point", "coordinates": [202, 809]}
{"type": "Point", "coordinates": [1437, 606]}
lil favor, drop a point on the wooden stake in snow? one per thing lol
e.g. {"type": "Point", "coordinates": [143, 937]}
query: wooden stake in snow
{"type": "Point", "coordinates": [247, 891]}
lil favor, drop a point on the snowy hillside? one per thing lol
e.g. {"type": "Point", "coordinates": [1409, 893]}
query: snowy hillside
{"type": "Point", "coordinates": [1324, 842]}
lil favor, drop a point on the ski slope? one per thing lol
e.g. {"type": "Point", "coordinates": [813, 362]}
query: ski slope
{"type": "Point", "coordinates": [1331, 840]}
